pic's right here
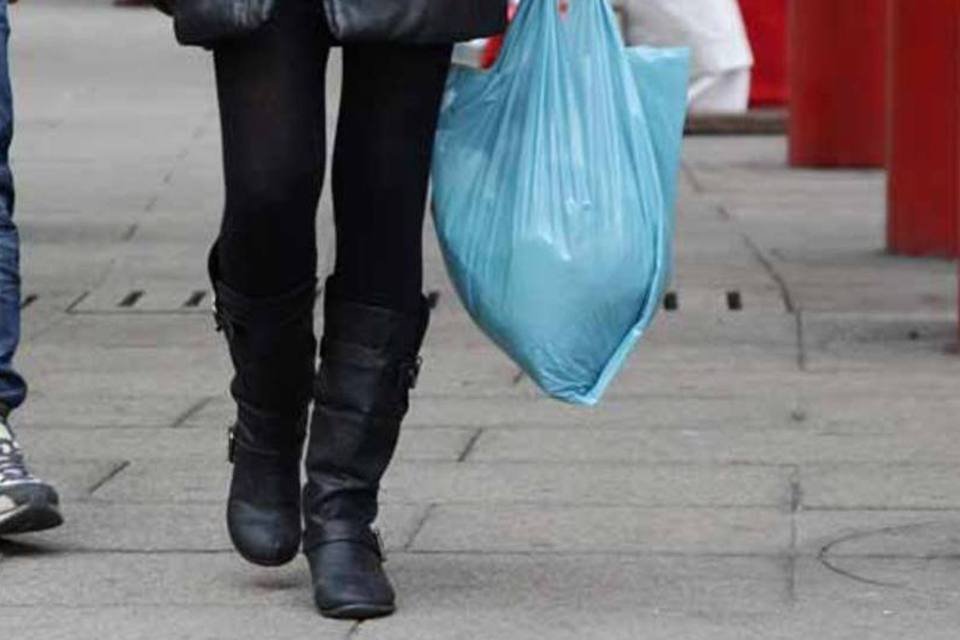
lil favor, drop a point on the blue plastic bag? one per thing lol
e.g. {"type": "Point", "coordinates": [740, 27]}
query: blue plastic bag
{"type": "Point", "coordinates": [554, 188]}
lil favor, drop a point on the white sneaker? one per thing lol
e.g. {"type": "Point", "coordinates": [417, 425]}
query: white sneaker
{"type": "Point", "coordinates": [26, 503]}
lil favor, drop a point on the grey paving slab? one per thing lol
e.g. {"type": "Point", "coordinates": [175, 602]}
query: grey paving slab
{"type": "Point", "coordinates": [665, 411]}
{"type": "Point", "coordinates": [536, 624]}
{"type": "Point", "coordinates": [96, 527]}
{"type": "Point", "coordinates": [429, 482]}
{"type": "Point", "coordinates": [433, 582]}
{"type": "Point", "coordinates": [86, 187]}
{"type": "Point", "coordinates": [871, 486]}
{"type": "Point", "coordinates": [860, 388]}
{"type": "Point", "coordinates": [865, 387]}
{"type": "Point", "coordinates": [162, 262]}
{"type": "Point", "coordinates": [129, 579]}
{"type": "Point", "coordinates": [588, 484]}
{"type": "Point", "coordinates": [44, 308]}
{"type": "Point", "coordinates": [591, 585]}
{"type": "Point", "coordinates": [110, 137]}
{"type": "Point", "coordinates": [843, 342]}
{"type": "Point", "coordinates": [721, 177]}
{"type": "Point", "coordinates": [166, 443]}
{"type": "Point", "coordinates": [911, 415]}
{"type": "Point", "coordinates": [48, 407]}
{"type": "Point", "coordinates": [896, 290]}
{"type": "Point", "coordinates": [743, 342]}
{"type": "Point", "coordinates": [172, 623]}
{"type": "Point", "coordinates": [893, 587]}
{"type": "Point", "coordinates": [790, 623]}
{"type": "Point", "coordinates": [536, 529]}
{"type": "Point", "coordinates": [470, 372]}
{"type": "Point", "coordinates": [74, 479]}
{"type": "Point", "coordinates": [887, 534]}
{"type": "Point", "coordinates": [53, 268]}
{"type": "Point", "coordinates": [719, 381]}
{"type": "Point", "coordinates": [65, 228]}
{"type": "Point", "coordinates": [118, 326]}
{"type": "Point", "coordinates": [109, 371]}
{"type": "Point", "coordinates": [730, 444]}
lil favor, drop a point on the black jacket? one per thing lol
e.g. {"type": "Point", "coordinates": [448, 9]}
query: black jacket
{"type": "Point", "coordinates": [425, 21]}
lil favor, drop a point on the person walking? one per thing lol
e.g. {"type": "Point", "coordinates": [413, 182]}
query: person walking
{"type": "Point", "coordinates": [26, 502]}
{"type": "Point", "coordinates": [715, 32]}
{"type": "Point", "coordinates": [271, 87]}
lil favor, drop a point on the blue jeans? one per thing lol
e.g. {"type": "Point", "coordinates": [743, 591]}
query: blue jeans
{"type": "Point", "coordinates": [13, 389]}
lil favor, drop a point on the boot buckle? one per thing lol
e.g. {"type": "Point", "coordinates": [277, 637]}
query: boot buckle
{"type": "Point", "coordinates": [217, 316]}
{"type": "Point", "coordinates": [231, 444]}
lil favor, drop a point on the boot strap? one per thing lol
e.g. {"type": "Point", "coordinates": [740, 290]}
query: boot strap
{"type": "Point", "coordinates": [344, 531]}
{"type": "Point", "coordinates": [231, 309]}
{"type": "Point", "coordinates": [356, 355]}
{"type": "Point", "coordinates": [234, 443]}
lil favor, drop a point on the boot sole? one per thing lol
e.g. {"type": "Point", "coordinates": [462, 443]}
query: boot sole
{"type": "Point", "coordinates": [359, 611]}
{"type": "Point", "coordinates": [261, 562]}
{"type": "Point", "coordinates": [29, 518]}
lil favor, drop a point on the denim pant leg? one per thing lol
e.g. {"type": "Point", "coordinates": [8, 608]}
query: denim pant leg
{"type": "Point", "coordinates": [13, 389]}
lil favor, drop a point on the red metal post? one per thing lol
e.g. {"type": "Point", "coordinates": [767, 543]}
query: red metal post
{"type": "Point", "coordinates": [924, 188]}
{"type": "Point", "coordinates": [766, 22]}
{"type": "Point", "coordinates": [837, 64]}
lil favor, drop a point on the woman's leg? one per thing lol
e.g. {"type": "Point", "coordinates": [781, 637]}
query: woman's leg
{"type": "Point", "coordinates": [388, 119]}
{"type": "Point", "coordinates": [375, 316]}
{"type": "Point", "coordinates": [271, 92]}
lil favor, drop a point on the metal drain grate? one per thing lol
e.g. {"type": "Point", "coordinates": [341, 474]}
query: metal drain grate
{"type": "Point", "coordinates": [671, 301]}
{"type": "Point", "coordinates": [195, 299]}
{"type": "Point", "coordinates": [734, 301]}
{"type": "Point", "coordinates": [697, 300]}
{"type": "Point", "coordinates": [143, 300]}
{"type": "Point", "coordinates": [159, 300]}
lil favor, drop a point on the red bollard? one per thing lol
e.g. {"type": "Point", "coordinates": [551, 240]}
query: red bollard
{"type": "Point", "coordinates": [923, 217]}
{"type": "Point", "coordinates": [837, 66]}
{"type": "Point", "coordinates": [766, 22]}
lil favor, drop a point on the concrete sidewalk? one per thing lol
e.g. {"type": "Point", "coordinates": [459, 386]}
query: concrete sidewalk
{"type": "Point", "coordinates": [790, 469]}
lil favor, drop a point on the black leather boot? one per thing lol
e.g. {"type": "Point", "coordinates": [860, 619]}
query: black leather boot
{"type": "Point", "coordinates": [368, 364]}
{"type": "Point", "coordinates": [273, 349]}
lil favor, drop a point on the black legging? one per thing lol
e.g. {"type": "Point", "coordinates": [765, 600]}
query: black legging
{"type": "Point", "coordinates": [271, 93]}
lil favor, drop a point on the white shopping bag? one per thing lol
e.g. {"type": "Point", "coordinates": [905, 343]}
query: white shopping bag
{"type": "Point", "coordinates": [714, 32]}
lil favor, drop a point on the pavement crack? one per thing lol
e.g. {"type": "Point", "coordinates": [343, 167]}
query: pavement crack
{"type": "Point", "coordinates": [761, 256]}
{"type": "Point", "coordinates": [796, 503]}
{"type": "Point", "coordinates": [789, 303]}
{"type": "Point", "coordinates": [421, 523]}
{"type": "Point", "coordinates": [801, 342]}
{"type": "Point", "coordinates": [796, 492]}
{"type": "Point", "coordinates": [110, 475]}
{"type": "Point", "coordinates": [692, 177]}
